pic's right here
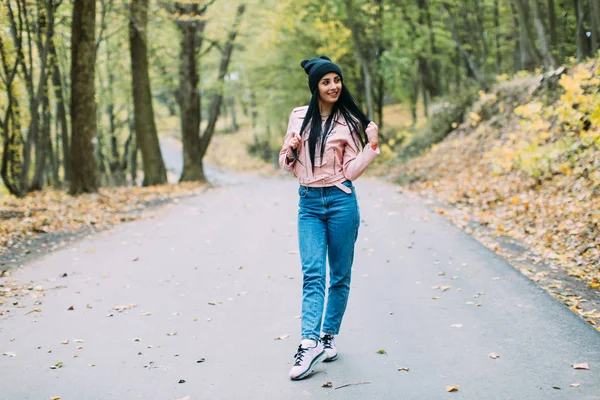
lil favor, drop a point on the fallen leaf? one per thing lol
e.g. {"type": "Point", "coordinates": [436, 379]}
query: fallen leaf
{"type": "Point", "coordinates": [326, 384]}
{"type": "Point", "coordinates": [403, 369]}
{"type": "Point", "coordinates": [145, 314]}
{"type": "Point", "coordinates": [136, 339]}
{"type": "Point", "coordinates": [493, 356]}
{"type": "Point", "coordinates": [91, 365]}
{"type": "Point", "coordinates": [575, 384]}
{"type": "Point", "coordinates": [9, 354]}
{"type": "Point", "coordinates": [57, 365]}
{"type": "Point", "coordinates": [182, 381]}
{"type": "Point", "coordinates": [171, 333]}
{"type": "Point", "coordinates": [556, 387]}
{"type": "Point", "coordinates": [581, 366]}
{"type": "Point", "coordinates": [435, 297]}
{"type": "Point", "coordinates": [381, 351]}
{"type": "Point", "coordinates": [71, 308]}
{"type": "Point", "coordinates": [55, 398]}
{"type": "Point", "coordinates": [125, 307]}
{"type": "Point", "coordinates": [452, 389]}
{"type": "Point", "coordinates": [200, 360]}
{"type": "Point", "coordinates": [64, 342]}
{"type": "Point", "coordinates": [282, 337]}
{"type": "Point", "coordinates": [293, 252]}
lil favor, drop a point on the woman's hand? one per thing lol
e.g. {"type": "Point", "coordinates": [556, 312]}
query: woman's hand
{"type": "Point", "coordinates": [293, 143]}
{"type": "Point", "coordinates": [372, 132]}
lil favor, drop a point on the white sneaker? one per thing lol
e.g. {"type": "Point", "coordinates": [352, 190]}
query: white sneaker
{"type": "Point", "coordinates": [329, 347]}
{"type": "Point", "coordinates": [305, 360]}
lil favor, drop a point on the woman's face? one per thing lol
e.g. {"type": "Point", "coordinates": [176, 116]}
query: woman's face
{"type": "Point", "coordinates": [330, 87]}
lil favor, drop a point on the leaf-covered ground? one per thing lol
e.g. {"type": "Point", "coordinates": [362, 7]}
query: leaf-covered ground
{"type": "Point", "coordinates": [54, 211]}
{"type": "Point", "coordinates": [525, 165]}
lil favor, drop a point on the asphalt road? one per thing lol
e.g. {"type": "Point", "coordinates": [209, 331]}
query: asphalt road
{"type": "Point", "coordinates": [216, 278]}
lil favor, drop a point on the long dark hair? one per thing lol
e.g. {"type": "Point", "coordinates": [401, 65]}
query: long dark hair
{"type": "Point", "coordinates": [345, 107]}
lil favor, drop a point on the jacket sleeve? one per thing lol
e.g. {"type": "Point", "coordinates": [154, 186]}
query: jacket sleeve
{"type": "Point", "coordinates": [356, 161]}
{"type": "Point", "coordinates": [283, 162]}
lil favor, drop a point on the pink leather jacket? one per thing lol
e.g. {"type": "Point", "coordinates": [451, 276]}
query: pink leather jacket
{"type": "Point", "coordinates": [342, 160]}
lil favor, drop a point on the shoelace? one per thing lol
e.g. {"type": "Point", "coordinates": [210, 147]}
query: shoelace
{"type": "Point", "coordinates": [300, 354]}
{"type": "Point", "coordinates": [326, 340]}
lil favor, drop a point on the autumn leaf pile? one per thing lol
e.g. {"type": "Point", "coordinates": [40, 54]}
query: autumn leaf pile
{"type": "Point", "coordinates": [526, 164]}
{"type": "Point", "coordinates": [54, 211]}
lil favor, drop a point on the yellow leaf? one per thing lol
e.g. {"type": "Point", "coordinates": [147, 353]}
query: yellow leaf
{"type": "Point", "coordinates": [493, 356]}
{"type": "Point", "coordinates": [452, 389]}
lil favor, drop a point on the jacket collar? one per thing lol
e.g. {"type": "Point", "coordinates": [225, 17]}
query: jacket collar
{"type": "Point", "coordinates": [339, 119]}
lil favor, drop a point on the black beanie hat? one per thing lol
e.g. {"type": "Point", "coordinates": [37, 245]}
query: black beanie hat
{"type": "Point", "coordinates": [316, 68]}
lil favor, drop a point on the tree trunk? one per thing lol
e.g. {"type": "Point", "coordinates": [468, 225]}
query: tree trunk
{"type": "Point", "coordinates": [155, 172]}
{"type": "Point", "coordinates": [83, 106]}
{"type": "Point", "coordinates": [596, 17]}
{"type": "Point", "coordinates": [45, 31]}
{"type": "Point", "coordinates": [595, 26]}
{"type": "Point", "coordinates": [234, 125]}
{"type": "Point", "coordinates": [61, 113]}
{"type": "Point", "coordinates": [529, 56]}
{"type": "Point", "coordinates": [497, 37]}
{"type": "Point", "coordinates": [11, 129]}
{"type": "Point", "coordinates": [368, 85]}
{"type": "Point", "coordinates": [582, 50]}
{"type": "Point", "coordinates": [518, 66]}
{"type": "Point", "coordinates": [435, 63]}
{"type": "Point", "coordinates": [379, 102]}
{"type": "Point", "coordinates": [42, 149]}
{"type": "Point", "coordinates": [549, 61]}
{"type": "Point", "coordinates": [479, 18]}
{"type": "Point", "coordinates": [187, 95]}
{"type": "Point", "coordinates": [218, 97]}
{"type": "Point", "coordinates": [414, 94]}
{"type": "Point", "coordinates": [552, 27]}
{"type": "Point", "coordinates": [361, 57]}
{"type": "Point", "coordinates": [425, 98]}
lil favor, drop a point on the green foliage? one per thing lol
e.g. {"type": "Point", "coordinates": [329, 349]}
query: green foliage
{"type": "Point", "coordinates": [438, 126]}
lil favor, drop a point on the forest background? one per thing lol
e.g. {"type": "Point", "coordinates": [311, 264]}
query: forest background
{"type": "Point", "coordinates": [90, 89]}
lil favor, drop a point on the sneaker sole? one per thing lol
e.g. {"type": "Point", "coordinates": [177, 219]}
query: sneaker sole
{"type": "Point", "coordinates": [314, 362]}
{"type": "Point", "coordinates": [331, 359]}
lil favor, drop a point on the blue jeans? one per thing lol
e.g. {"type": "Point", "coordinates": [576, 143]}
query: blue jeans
{"type": "Point", "coordinates": [328, 221]}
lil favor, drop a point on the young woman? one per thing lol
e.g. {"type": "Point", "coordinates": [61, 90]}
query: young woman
{"type": "Point", "coordinates": [328, 144]}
